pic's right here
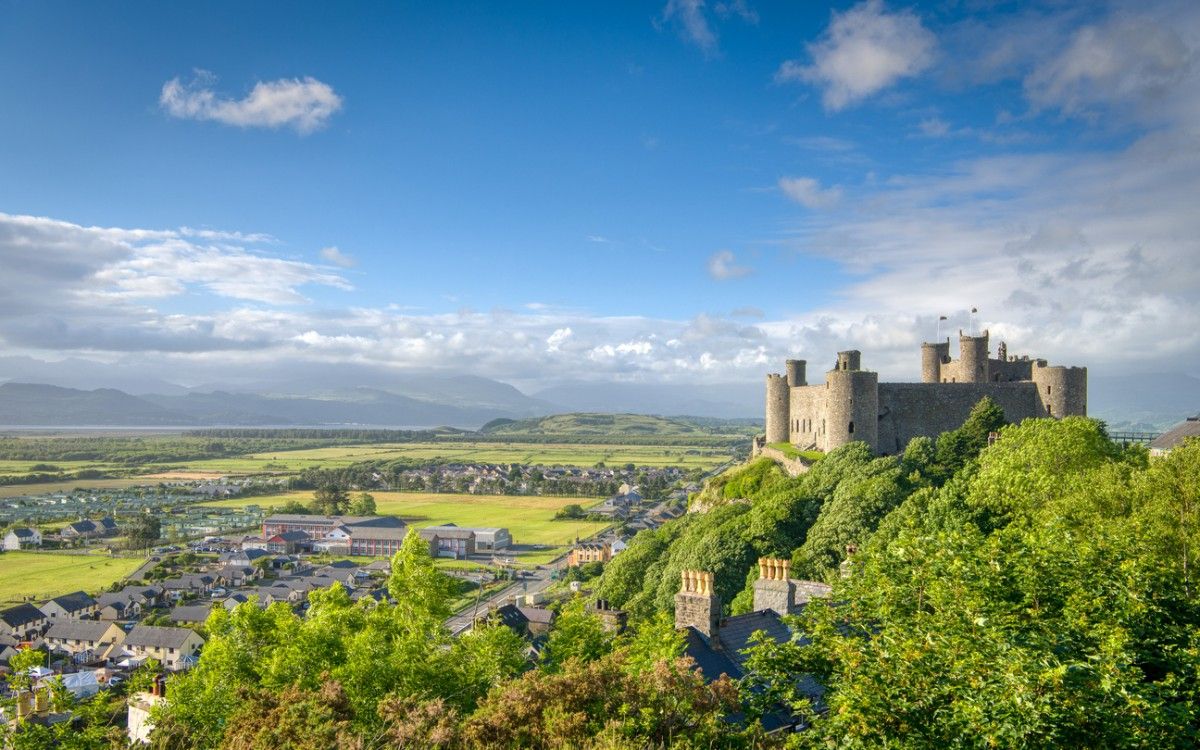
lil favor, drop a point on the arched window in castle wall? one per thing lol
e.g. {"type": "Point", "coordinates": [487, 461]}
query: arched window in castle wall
{"type": "Point", "coordinates": [851, 428]}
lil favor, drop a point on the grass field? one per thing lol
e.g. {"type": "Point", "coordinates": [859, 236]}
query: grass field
{"type": "Point", "coordinates": [528, 518]}
{"type": "Point", "coordinates": [13, 490]}
{"type": "Point", "coordinates": [565, 454]}
{"type": "Point", "coordinates": [44, 575]}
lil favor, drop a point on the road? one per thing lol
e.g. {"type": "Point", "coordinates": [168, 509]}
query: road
{"type": "Point", "coordinates": [538, 580]}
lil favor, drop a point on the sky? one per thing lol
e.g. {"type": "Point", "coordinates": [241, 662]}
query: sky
{"type": "Point", "coordinates": [658, 192]}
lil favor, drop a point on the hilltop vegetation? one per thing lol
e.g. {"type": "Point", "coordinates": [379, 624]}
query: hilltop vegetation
{"type": "Point", "coordinates": [623, 427]}
{"type": "Point", "coordinates": [1040, 592]}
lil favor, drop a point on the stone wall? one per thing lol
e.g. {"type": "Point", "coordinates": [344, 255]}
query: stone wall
{"type": "Point", "coordinates": [793, 466]}
{"type": "Point", "coordinates": [911, 409]}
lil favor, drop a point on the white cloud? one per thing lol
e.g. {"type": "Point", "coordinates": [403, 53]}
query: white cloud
{"type": "Point", "coordinates": [864, 50]}
{"type": "Point", "coordinates": [337, 257]}
{"type": "Point", "coordinates": [723, 265]}
{"type": "Point", "coordinates": [693, 25]}
{"type": "Point", "coordinates": [934, 127]}
{"type": "Point", "coordinates": [304, 104]}
{"type": "Point", "coordinates": [555, 340]}
{"type": "Point", "coordinates": [1134, 62]}
{"type": "Point", "coordinates": [808, 192]}
{"type": "Point", "coordinates": [692, 20]}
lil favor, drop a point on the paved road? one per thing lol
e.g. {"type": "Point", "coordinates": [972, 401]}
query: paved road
{"type": "Point", "coordinates": [538, 581]}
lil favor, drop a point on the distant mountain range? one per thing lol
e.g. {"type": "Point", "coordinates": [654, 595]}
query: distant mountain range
{"type": "Point", "coordinates": [47, 405]}
{"type": "Point", "coordinates": [1149, 402]}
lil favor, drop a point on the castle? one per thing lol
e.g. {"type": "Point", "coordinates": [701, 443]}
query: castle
{"type": "Point", "coordinates": [853, 405]}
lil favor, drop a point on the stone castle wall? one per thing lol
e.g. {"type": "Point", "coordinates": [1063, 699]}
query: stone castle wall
{"type": "Point", "coordinates": [852, 405]}
{"type": "Point", "coordinates": [907, 410]}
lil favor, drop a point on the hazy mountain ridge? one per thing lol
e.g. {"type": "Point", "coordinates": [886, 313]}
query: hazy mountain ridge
{"type": "Point", "coordinates": [1150, 402]}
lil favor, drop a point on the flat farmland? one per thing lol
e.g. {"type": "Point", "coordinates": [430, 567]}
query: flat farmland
{"type": "Point", "coordinates": [16, 490]}
{"type": "Point", "coordinates": [528, 518]}
{"type": "Point", "coordinates": [27, 467]}
{"type": "Point", "coordinates": [564, 454]}
{"type": "Point", "coordinates": [45, 575]}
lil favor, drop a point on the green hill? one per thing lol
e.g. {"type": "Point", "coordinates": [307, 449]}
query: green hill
{"type": "Point", "coordinates": [623, 426]}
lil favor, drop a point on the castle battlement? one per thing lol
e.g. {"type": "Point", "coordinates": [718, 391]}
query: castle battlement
{"type": "Point", "coordinates": [853, 405]}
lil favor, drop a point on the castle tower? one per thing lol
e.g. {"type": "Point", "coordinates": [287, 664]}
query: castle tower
{"type": "Point", "coordinates": [849, 360]}
{"type": "Point", "coordinates": [774, 588]}
{"type": "Point", "coordinates": [973, 358]}
{"type": "Point", "coordinates": [1062, 390]}
{"type": "Point", "coordinates": [795, 372]}
{"type": "Point", "coordinates": [933, 356]}
{"type": "Point", "coordinates": [697, 604]}
{"type": "Point", "coordinates": [852, 404]}
{"type": "Point", "coordinates": [777, 409]}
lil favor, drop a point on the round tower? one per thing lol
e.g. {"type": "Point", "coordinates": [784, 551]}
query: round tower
{"type": "Point", "coordinates": [849, 360]}
{"type": "Point", "coordinates": [851, 406]}
{"type": "Point", "coordinates": [1062, 390]}
{"type": "Point", "coordinates": [932, 357]}
{"type": "Point", "coordinates": [795, 372]}
{"type": "Point", "coordinates": [973, 358]}
{"type": "Point", "coordinates": [777, 408]}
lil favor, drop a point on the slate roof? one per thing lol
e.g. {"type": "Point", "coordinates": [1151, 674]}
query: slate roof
{"type": "Point", "coordinates": [449, 531]}
{"type": "Point", "coordinates": [74, 601]}
{"type": "Point", "coordinates": [190, 613]}
{"type": "Point", "coordinates": [23, 533]}
{"type": "Point", "coordinates": [78, 630]}
{"type": "Point", "coordinates": [539, 615]}
{"type": "Point", "coordinates": [1189, 428]}
{"type": "Point", "coordinates": [154, 636]}
{"type": "Point", "coordinates": [376, 521]}
{"type": "Point", "coordinates": [22, 614]}
{"type": "Point", "coordinates": [81, 527]}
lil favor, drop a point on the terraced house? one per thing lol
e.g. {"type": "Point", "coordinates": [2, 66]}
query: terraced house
{"type": "Point", "coordinates": [174, 648]}
{"type": "Point", "coordinates": [84, 640]}
{"type": "Point", "coordinates": [76, 604]}
{"type": "Point", "coordinates": [23, 621]}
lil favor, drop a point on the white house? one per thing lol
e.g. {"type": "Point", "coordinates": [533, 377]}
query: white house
{"type": "Point", "coordinates": [22, 538]}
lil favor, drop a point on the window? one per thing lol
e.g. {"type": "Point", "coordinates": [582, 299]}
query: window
{"type": "Point", "coordinates": [1047, 390]}
{"type": "Point", "coordinates": [851, 428]}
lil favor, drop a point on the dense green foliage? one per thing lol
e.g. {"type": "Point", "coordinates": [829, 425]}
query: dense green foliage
{"type": "Point", "coordinates": [754, 511]}
{"type": "Point", "coordinates": [1044, 596]}
{"type": "Point", "coordinates": [1039, 592]}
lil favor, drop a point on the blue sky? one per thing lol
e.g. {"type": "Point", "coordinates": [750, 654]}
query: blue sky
{"type": "Point", "coordinates": [639, 191]}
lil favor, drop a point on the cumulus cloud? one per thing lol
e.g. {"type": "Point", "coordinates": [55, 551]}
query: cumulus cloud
{"type": "Point", "coordinates": [865, 50]}
{"type": "Point", "coordinates": [723, 266]}
{"type": "Point", "coordinates": [303, 104]}
{"type": "Point", "coordinates": [67, 286]}
{"type": "Point", "coordinates": [337, 257]}
{"type": "Point", "coordinates": [808, 192]}
{"type": "Point", "coordinates": [555, 341]}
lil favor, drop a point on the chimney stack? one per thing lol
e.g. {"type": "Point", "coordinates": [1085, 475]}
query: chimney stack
{"type": "Point", "coordinates": [774, 589]}
{"type": "Point", "coordinates": [697, 604]}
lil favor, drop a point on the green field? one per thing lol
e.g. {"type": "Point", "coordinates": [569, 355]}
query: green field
{"type": "Point", "coordinates": [14, 490]}
{"type": "Point", "coordinates": [44, 575]}
{"type": "Point", "coordinates": [528, 518]}
{"type": "Point", "coordinates": [564, 454]}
